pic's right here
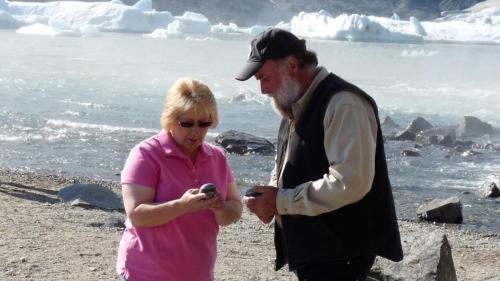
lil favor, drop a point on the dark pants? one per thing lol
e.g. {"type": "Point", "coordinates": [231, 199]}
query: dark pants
{"type": "Point", "coordinates": [347, 270]}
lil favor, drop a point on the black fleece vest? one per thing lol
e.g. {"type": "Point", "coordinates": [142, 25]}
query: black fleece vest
{"type": "Point", "coordinates": [367, 227]}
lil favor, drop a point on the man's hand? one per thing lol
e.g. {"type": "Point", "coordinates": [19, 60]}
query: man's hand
{"type": "Point", "coordinates": [264, 205]}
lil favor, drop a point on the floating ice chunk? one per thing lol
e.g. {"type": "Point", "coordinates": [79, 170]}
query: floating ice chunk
{"type": "Point", "coordinates": [417, 27]}
{"type": "Point", "coordinates": [158, 33]}
{"type": "Point", "coordinates": [37, 29]}
{"type": "Point", "coordinates": [254, 30]}
{"type": "Point", "coordinates": [233, 28]}
{"type": "Point", "coordinates": [418, 53]}
{"type": "Point", "coordinates": [189, 22]}
{"type": "Point", "coordinates": [225, 28]}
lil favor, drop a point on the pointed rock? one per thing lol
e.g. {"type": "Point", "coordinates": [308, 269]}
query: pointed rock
{"type": "Point", "coordinates": [427, 257]}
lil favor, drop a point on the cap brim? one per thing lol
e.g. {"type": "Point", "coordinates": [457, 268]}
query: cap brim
{"type": "Point", "coordinates": [249, 70]}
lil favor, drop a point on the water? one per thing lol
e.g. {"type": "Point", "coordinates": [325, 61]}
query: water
{"type": "Point", "coordinates": [78, 105]}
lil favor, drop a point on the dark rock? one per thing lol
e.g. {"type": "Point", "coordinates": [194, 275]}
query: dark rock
{"type": "Point", "coordinates": [441, 210]}
{"type": "Point", "coordinates": [404, 135]}
{"type": "Point", "coordinates": [416, 126]}
{"type": "Point", "coordinates": [91, 195]}
{"type": "Point", "coordinates": [465, 143]}
{"type": "Point", "coordinates": [410, 153]}
{"type": "Point", "coordinates": [444, 136]}
{"type": "Point", "coordinates": [389, 122]}
{"type": "Point", "coordinates": [389, 127]}
{"type": "Point", "coordinates": [489, 190]}
{"type": "Point", "coordinates": [427, 257]}
{"type": "Point", "coordinates": [473, 127]}
{"type": "Point", "coordinates": [461, 146]}
{"type": "Point", "coordinates": [243, 143]}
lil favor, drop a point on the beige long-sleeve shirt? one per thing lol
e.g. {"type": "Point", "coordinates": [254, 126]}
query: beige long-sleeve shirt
{"type": "Point", "coordinates": [350, 141]}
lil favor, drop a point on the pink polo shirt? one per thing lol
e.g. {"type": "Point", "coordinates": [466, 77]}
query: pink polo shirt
{"type": "Point", "coordinates": [184, 248]}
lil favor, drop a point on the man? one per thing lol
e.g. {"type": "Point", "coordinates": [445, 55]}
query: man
{"type": "Point", "coordinates": [330, 193]}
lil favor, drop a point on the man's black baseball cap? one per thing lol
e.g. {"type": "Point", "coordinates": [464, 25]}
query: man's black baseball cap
{"type": "Point", "coordinates": [274, 43]}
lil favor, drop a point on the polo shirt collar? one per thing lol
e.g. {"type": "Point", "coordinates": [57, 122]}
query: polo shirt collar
{"type": "Point", "coordinates": [172, 149]}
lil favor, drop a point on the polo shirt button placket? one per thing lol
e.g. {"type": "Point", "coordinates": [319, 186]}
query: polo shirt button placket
{"type": "Point", "coordinates": [194, 176]}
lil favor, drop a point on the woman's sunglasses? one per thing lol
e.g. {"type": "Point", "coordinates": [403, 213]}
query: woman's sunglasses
{"type": "Point", "coordinates": [190, 124]}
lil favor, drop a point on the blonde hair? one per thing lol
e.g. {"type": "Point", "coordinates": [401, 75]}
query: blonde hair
{"type": "Point", "coordinates": [185, 95]}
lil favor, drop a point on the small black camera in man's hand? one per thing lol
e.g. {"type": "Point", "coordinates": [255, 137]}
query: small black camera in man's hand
{"type": "Point", "coordinates": [209, 189]}
{"type": "Point", "coordinates": [252, 193]}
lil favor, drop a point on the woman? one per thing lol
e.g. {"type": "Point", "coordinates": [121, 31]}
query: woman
{"type": "Point", "coordinates": [171, 228]}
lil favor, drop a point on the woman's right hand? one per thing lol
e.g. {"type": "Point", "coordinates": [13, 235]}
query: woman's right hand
{"type": "Point", "coordinates": [192, 200]}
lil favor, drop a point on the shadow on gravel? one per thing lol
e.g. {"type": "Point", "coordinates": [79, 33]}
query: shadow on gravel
{"type": "Point", "coordinates": [29, 193]}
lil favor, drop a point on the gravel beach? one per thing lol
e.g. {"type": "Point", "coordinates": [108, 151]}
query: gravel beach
{"type": "Point", "coordinates": [44, 239]}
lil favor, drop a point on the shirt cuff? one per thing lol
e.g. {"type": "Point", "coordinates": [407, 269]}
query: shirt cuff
{"type": "Point", "coordinates": [289, 201]}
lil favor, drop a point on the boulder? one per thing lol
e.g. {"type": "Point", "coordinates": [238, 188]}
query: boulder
{"type": "Point", "coordinates": [441, 210]}
{"type": "Point", "coordinates": [489, 190]}
{"type": "Point", "coordinates": [91, 195]}
{"type": "Point", "coordinates": [427, 256]}
{"type": "Point", "coordinates": [244, 143]}
{"type": "Point", "coordinates": [473, 127]}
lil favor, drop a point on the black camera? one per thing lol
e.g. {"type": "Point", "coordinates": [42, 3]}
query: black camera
{"type": "Point", "coordinates": [209, 189]}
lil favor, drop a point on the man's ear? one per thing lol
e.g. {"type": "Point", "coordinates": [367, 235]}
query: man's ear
{"type": "Point", "coordinates": [293, 65]}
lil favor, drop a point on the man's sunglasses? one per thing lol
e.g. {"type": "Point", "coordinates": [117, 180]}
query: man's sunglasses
{"type": "Point", "coordinates": [190, 124]}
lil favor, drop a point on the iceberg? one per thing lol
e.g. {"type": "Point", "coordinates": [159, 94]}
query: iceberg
{"type": "Point", "coordinates": [478, 24]}
{"type": "Point", "coordinates": [322, 25]}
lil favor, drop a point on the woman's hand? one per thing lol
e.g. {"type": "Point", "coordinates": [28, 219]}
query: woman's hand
{"type": "Point", "coordinates": [218, 204]}
{"type": "Point", "coordinates": [192, 200]}
{"type": "Point", "coordinates": [227, 211]}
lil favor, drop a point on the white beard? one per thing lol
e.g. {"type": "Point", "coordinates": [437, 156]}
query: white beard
{"type": "Point", "coordinates": [286, 95]}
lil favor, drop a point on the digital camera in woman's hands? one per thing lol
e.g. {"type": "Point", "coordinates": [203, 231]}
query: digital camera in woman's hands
{"type": "Point", "coordinates": [209, 189]}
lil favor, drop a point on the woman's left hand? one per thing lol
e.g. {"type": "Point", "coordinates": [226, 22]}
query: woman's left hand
{"type": "Point", "coordinates": [219, 203]}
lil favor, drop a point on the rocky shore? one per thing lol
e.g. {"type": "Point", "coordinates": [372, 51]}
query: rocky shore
{"type": "Point", "coordinates": [42, 238]}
